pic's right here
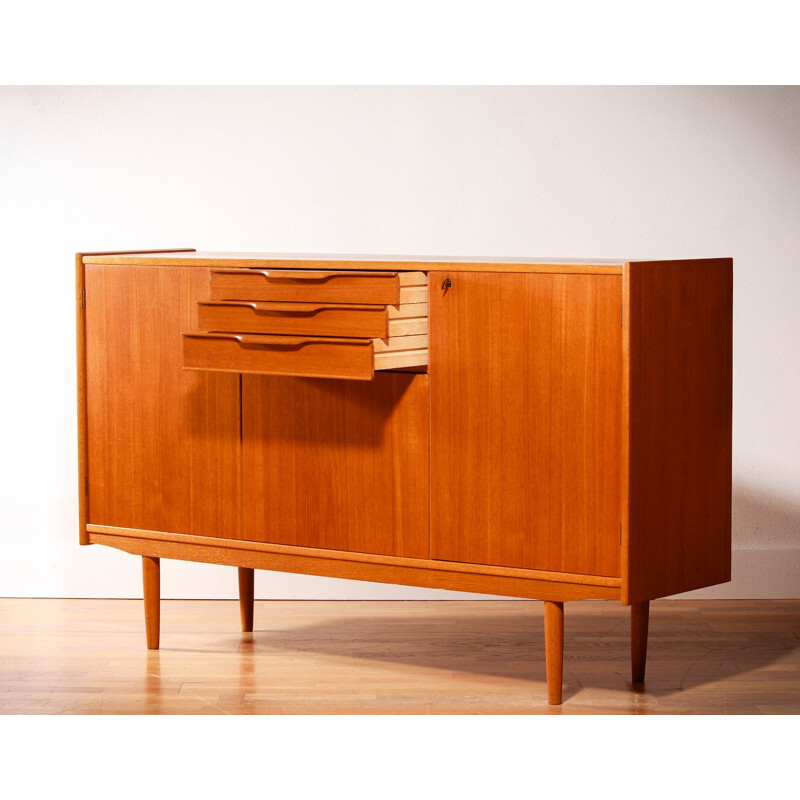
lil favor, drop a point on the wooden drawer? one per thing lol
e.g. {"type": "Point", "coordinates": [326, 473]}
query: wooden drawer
{"type": "Point", "coordinates": [318, 286]}
{"type": "Point", "coordinates": [313, 319]}
{"type": "Point", "coordinates": [310, 323]}
{"type": "Point", "coordinates": [311, 357]}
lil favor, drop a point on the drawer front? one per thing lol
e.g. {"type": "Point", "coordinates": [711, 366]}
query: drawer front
{"type": "Point", "coordinates": [302, 319]}
{"type": "Point", "coordinates": [279, 355]}
{"type": "Point", "coordinates": [310, 323]}
{"type": "Point", "coordinates": [307, 286]}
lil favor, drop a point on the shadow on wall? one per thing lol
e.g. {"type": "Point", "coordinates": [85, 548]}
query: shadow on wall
{"type": "Point", "coordinates": [691, 644]}
{"type": "Point", "coordinates": [763, 519]}
{"type": "Point", "coordinates": [766, 547]}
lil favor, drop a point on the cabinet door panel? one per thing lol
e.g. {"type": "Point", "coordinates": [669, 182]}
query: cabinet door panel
{"type": "Point", "coordinates": [525, 375]}
{"type": "Point", "coordinates": [334, 464]}
{"type": "Point", "coordinates": [163, 443]}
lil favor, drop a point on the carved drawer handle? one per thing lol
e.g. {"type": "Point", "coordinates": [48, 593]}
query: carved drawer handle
{"type": "Point", "coordinates": [276, 342]}
{"type": "Point", "coordinates": [267, 310]}
{"type": "Point", "coordinates": [299, 276]}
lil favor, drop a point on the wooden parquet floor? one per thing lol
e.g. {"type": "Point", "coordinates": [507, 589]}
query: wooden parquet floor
{"type": "Point", "coordinates": [390, 657]}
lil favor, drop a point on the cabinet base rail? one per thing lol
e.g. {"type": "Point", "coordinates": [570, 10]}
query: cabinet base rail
{"type": "Point", "coordinates": [426, 573]}
{"type": "Point", "coordinates": [553, 588]}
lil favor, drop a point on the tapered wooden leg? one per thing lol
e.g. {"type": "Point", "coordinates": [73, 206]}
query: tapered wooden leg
{"type": "Point", "coordinates": [151, 575]}
{"type": "Point", "coordinates": [640, 619]}
{"type": "Point", "coordinates": [246, 597]}
{"type": "Point", "coordinates": [554, 649]}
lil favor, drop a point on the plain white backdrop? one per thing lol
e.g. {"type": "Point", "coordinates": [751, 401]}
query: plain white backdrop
{"type": "Point", "coordinates": [604, 172]}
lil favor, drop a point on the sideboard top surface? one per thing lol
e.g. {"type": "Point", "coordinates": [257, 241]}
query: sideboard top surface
{"type": "Point", "coordinates": [188, 258]}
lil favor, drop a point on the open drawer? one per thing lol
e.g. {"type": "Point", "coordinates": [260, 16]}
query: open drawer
{"type": "Point", "coordinates": [318, 286]}
{"type": "Point", "coordinates": [313, 319]}
{"type": "Point", "coordinates": [310, 323]}
{"type": "Point", "coordinates": [308, 356]}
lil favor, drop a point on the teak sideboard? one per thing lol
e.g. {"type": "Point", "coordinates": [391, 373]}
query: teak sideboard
{"type": "Point", "coordinates": [536, 428]}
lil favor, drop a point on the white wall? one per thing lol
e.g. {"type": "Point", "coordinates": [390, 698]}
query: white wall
{"type": "Point", "coordinates": [558, 171]}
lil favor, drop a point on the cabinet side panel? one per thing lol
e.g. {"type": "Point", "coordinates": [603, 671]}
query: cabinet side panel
{"type": "Point", "coordinates": [83, 494]}
{"type": "Point", "coordinates": [336, 464]}
{"type": "Point", "coordinates": [678, 337]}
{"type": "Point", "coordinates": [163, 444]}
{"type": "Point", "coordinates": [525, 375]}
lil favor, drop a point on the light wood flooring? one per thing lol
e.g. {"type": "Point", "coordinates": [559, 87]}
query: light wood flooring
{"type": "Point", "coordinates": [390, 657]}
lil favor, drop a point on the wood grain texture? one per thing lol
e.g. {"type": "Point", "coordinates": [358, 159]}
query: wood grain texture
{"type": "Point", "coordinates": [677, 394]}
{"type": "Point", "coordinates": [246, 597]}
{"type": "Point", "coordinates": [306, 286]}
{"type": "Point", "coordinates": [376, 262]}
{"type": "Point", "coordinates": [298, 319]}
{"type": "Point", "coordinates": [395, 359]}
{"type": "Point", "coordinates": [163, 445]}
{"type": "Point", "coordinates": [395, 343]}
{"type": "Point", "coordinates": [554, 650]}
{"type": "Point", "coordinates": [406, 310]}
{"type": "Point", "coordinates": [525, 377]}
{"type": "Point", "coordinates": [260, 354]}
{"type": "Point", "coordinates": [338, 555]}
{"type": "Point", "coordinates": [337, 464]}
{"type": "Point", "coordinates": [712, 657]}
{"type": "Point", "coordinates": [410, 326]}
{"type": "Point", "coordinates": [80, 319]}
{"type": "Point", "coordinates": [151, 581]}
{"type": "Point", "coordinates": [306, 561]}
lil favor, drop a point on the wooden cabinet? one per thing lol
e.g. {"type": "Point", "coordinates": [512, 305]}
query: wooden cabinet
{"type": "Point", "coordinates": [551, 430]}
